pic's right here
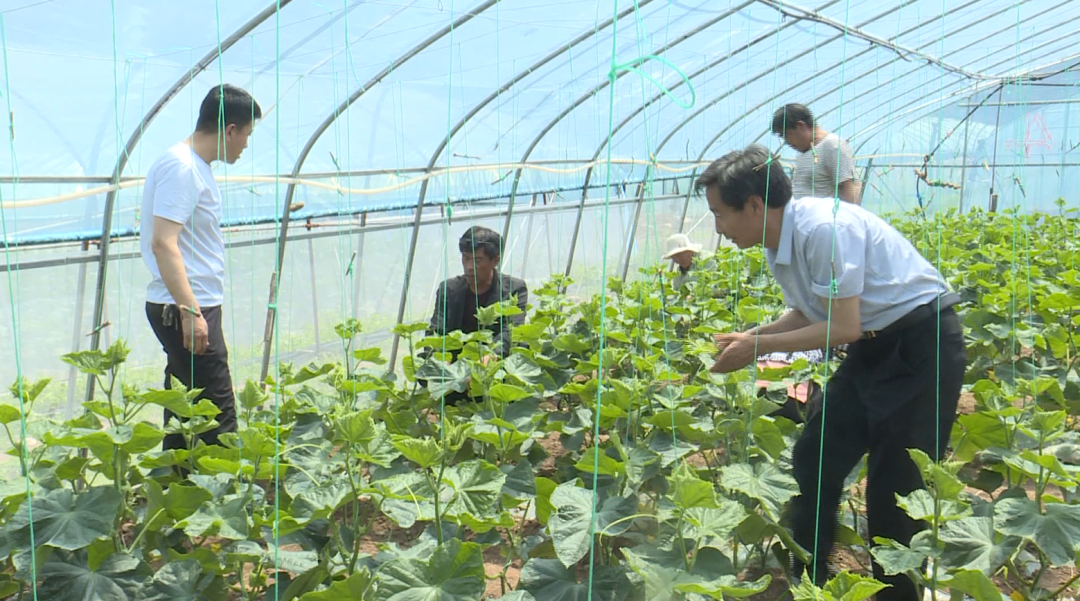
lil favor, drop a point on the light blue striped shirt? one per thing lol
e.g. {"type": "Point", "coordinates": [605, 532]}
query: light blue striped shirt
{"type": "Point", "coordinates": [868, 258]}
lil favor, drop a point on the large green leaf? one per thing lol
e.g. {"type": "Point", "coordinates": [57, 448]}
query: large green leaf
{"type": "Point", "coordinates": [545, 487]}
{"type": "Point", "coordinates": [174, 400]}
{"type": "Point", "coordinates": [442, 378]}
{"type": "Point", "coordinates": [845, 586]}
{"type": "Point", "coordinates": [1056, 532]}
{"type": "Point", "coordinates": [226, 520]}
{"type": "Point", "coordinates": [939, 476]}
{"type": "Point", "coordinates": [920, 505]}
{"type": "Point", "coordinates": [352, 588]}
{"type": "Point", "coordinates": [550, 580]}
{"type": "Point", "coordinates": [702, 523]}
{"type": "Point", "coordinates": [980, 431]}
{"type": "Point", "coordinates": [523, 368]}
{"type": "Point", "coordinates": [69, 577]}
{"type": "Point", "coordinates": [455, 572]}
{"type": "Point", "coordinates": [356, 428]}
{"type": "Point", "coordinates": [596, 461]}
{"type": "Point", "coordinates": [895, 558]}
{"type": "Point", "coordinates": [687, 490]}
{"type": "Point", "coordinates": [9, 414]}
{"type": "Point", "coordinates": [571, 522]}
{"type": "Point", "coordinates": [659, 580]}
{"type": "Point", "coordinates": [65, 520]}
{"type": "Point", "coordinates": [474, 489]}
{"type": "Point", "coordinates": [768, 436]}
{"type": "Point", "coordinates": [520, 483]}
{"type": "Point", "coordinates": [506, 393]}
{"type": "Point", "coordinates": [972, 543]}
{"type": "Point", "coordinates": [423, 452]}
{"type": "Point", "coordinates": [320, 501]}
{"type": "Point", "coordinates": [975, 584]}
{"type": "Point", "coordinates": [763, 482]}
{"type": "Point", "coordinates": [184, 581]}
{"type": "Point", "coordinates": [723, 587]}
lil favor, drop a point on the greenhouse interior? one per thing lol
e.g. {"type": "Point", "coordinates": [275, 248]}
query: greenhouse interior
{"type": "Point", "coordinates": [407, 300]}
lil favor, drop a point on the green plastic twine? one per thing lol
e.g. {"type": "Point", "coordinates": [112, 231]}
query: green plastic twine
{"type": "Point", "coordinates": [446, 226]}
{"type": "Point", "coordinates": [277, 276]}
{"type": "Point", "coordinates": [832, 297]}
{"type": "Point", "coordinates": [13, 287]}
{"type": "Point", "coordinates": [613, 74]}
{"type": "Point", "coordinates": [764, 224]}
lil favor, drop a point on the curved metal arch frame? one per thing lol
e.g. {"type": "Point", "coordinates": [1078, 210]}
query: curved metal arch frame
{"type": "Point", "coordinates": [955, 82]}
{"type": "Point", "coordinates": [1031, 74]}
{"type": "Point", "coordinates": [121, 162]}
{"type": "Point", "coordinates": [950, 84]}
{"type": "Point", "coordinates": [802, 13]}
{"type": "Point", "coordinates": [916, 69]}
{"type": "Point", "coordinates": [445, 143]}
{"type": "Point", "coordinates": [986, 82]}
{"type": "Point", "coordinates": [290, 191]}
{"type": "Point", "coordinates": [581, 100]}
{"type": "Point", "coordinates": [717, 100]}
{"type": "Point", "coordinates": [833, 66]}
{"type": "Point", "coordinates": [709, 66]}
{"type": "Point", "coordinates": [686, 205]}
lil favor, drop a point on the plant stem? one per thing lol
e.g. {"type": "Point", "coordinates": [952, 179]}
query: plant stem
{"type": "Point", "coordinates": [682, 542]}
{"type": "Point", "coordinates": [1057, 593]}
{"type": "Point", "coordinates": [356, 499]}
{"type": "Point", "coordinates": [436, 485]}
{"type": "Point", "coordinates": [135, 542]}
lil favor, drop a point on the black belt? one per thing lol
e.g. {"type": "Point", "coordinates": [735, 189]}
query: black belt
{"type": "Point", "coordinates": [917, 315]}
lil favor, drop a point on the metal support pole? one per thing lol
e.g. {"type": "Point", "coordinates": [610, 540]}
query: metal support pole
{"type": "Point", "coordinates": [314, 291]}
{"type": "Point", "coordinates": [577, 224]}
{"type": "Point", "coordinates": [76, 334]}
{"type": "Point", "coordinates": [993, 166]}
{"type": "Point", "coordinates": [396, 64]}
{"type": "Point", "coordinates": [408, 272]}
{"type": "Point", "coordinates": [1064, 138]}
{"type": "Point", "coordinates": [963, 164]}
{"type": "Point", "coordinates": [547, 233]}
{"type": "Point", "coordinates": [358, 266]}
{"type": "Point", "coordinates": [121, 162]}
{"type": "Point", "coordinates": [633, 230]}
{"type": "Point", "coordinates": [528, 239]}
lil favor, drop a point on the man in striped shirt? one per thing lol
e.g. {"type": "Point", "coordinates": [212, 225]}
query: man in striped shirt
{"type": "Point", "coordinates": [825, 167]}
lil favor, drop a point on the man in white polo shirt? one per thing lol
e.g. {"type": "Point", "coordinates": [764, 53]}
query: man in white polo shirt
{"type": "Point", "coordinates": [848, 277]}
{"type": "Point", "coordinates": [184, 250]}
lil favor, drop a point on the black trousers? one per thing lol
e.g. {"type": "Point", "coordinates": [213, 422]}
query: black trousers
{"type": "Point", "coordinates": [891, 393]}
{"type": "Point", "coordinates": [209, 371]}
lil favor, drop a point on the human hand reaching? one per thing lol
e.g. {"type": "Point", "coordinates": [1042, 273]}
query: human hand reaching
{"type": "Point", "coordinates": [736, 352]}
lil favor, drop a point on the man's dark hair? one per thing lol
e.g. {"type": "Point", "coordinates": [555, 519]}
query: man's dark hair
{"type": "Point", "coordinates": [742, 173]}
{"type": "Point", "coordinates": [224, 105]}
{"type": "Point", "coordinates": [481, 238]}
{"type": "Point", "coordinates": [788, 115]}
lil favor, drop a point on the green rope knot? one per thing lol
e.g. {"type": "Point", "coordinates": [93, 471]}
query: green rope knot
{"type": "Point", "coordinates": [632, 67]}
{"type": "Point", "coordinates": [833, 288]}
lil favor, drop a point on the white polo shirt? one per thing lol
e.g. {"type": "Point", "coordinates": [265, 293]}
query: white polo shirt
{"type": "Point", "coordinates": [867, 257]}
{"type": "Point", "coordinates": [181, 187]}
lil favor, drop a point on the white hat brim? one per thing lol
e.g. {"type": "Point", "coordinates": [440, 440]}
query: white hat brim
{"type": "Point", "coordinates": [691, 247]}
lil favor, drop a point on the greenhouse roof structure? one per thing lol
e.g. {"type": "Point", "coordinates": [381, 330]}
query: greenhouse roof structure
{"type": "Point", "coordinates": [478, 314]}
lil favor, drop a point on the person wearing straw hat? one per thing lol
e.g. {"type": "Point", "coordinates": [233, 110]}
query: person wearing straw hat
{"type": "Point", "coordinates": [682, 253]}
{"type": "Point", "coordinates": [847, 277]}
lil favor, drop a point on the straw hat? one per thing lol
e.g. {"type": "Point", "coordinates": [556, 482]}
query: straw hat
{"type": "Point", "coordinates": [678, 243]}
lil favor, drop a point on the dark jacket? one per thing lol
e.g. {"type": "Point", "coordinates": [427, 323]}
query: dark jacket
{"type": "Point", "coordinates": [453, 294]}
